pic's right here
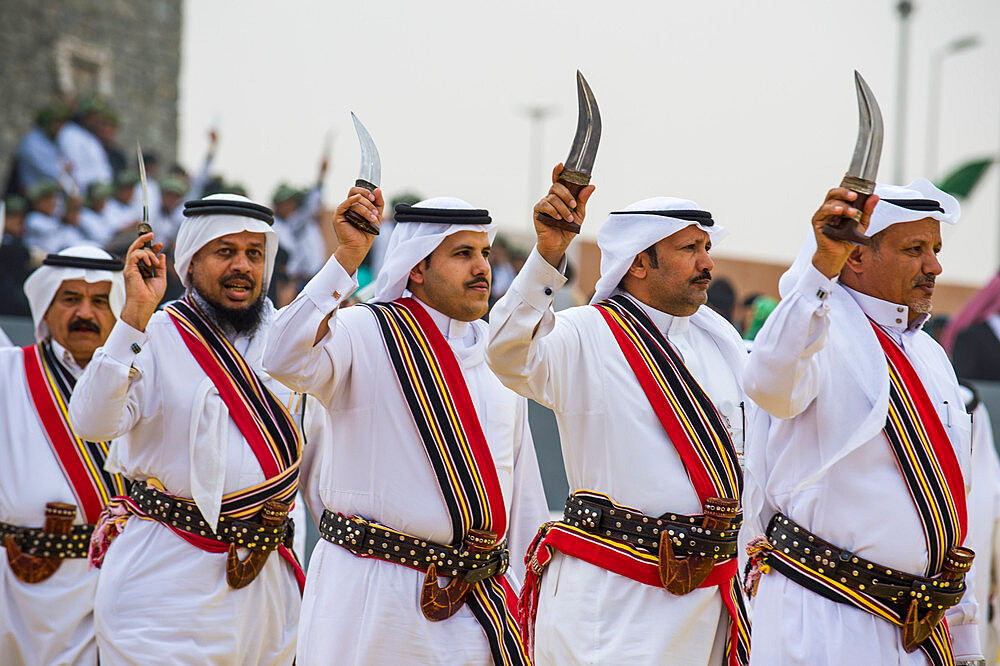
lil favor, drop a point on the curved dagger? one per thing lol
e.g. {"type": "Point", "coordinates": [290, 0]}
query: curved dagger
{"type": "Point", "coordinates": [580, 163]}
{"type": "Point", "coordinates": [369, 174]}
{"type": "Point", "coordinates": [861, 173]}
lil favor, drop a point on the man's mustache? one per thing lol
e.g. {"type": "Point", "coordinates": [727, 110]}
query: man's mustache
{"type": "Point", "coordinates": [924, 281]}
{"type": "Point", "coordinates": [238, 277]}
{"type": "Point", "coordinates": [84, 325]}
{"type": "Point", "coordinates": [704, 275]}
{"type": "Point", "coordinates": [479, 280]}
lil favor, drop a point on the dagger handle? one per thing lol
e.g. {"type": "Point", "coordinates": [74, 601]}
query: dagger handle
{"type": "Point", "coordinates": [145, 271]}
{"type": "Point", "coordinates": [574, 181]}
{"type": "Point", "coordinates": [356, 220]}
{"type": "Point", "coordinates": [846, 228]}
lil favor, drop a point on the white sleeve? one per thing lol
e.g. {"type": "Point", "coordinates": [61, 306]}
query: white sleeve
{"type": "Point", "coordinates": [529, 509]}
{"type": "Point", "coordinates": [783, 373]}
{"type": "Point", "coordinates": [106, 400]}
{"type": "Point", "coordinates": [290, 355]}
{"type": "Point", "coordinates": [528, 342]}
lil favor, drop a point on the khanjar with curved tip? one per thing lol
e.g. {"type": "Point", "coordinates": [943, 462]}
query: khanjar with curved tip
{"type": "Point", "coordinates": [580, 163]}
{"type": "Point", "coordinates": [369, 174]}
{"type": "Point", "coordinates": [860, 175]}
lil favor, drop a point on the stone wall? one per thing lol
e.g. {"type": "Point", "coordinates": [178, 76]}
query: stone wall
{"type": "Point", "coordinates": [125, 49]}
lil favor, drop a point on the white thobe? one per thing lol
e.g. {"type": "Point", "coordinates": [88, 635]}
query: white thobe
{"type": "Point", "coordinates": [119, 216]}
{"type": "Point", "coordinates": [613, 443]}
{"type": "Point", "coordinates": [819, 455]}
{"type": "Point", "coordinates": [159, 597]}
{"type": "Point", "coordinates": [87, 155]}
{"type": "Point", "coordinates": [38, 158]}
{"type": "Point", "coordinates": [51, 622]}
{"type": "Point", "coordinates": [96, 226]}
{"type": "Point", "coordinates": [365, 611]}
{"type": "Point", "coordinates": [984, 530]}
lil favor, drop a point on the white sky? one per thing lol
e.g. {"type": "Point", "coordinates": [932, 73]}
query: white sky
{"type": "Point", "coordinates": [747, 108]}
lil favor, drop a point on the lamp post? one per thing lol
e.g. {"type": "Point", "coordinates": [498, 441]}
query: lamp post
{"type": "Point", "coordinates": [934, 100]}
{"type": "Point", "coordinates": [904, 8]}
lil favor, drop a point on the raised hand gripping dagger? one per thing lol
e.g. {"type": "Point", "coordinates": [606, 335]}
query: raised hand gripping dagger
{"type": "Point", "coordinates": [144, 226]}
{"type": "Point", "coordinates": [369, 175]}
{"type": "Point", "coordinates": [860, 176]}
{"type": "Point", "coordinates": [580, 163]}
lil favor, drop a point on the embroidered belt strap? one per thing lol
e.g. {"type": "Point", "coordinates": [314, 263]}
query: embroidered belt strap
{"type": "Point", "coordinates": [274, 530]}
{"type": "Point", "coordinates": [50, 385]}
{"type": "Point", "coordinates": [843, 577]}
{"type": "Point", "coordinates": [686, 412]}
{"type": "Point", "coordinates": [367, 538]}
{"type": "Point", "coordinates": [925, 456]}
{"type": "Point", "coordinates": [441, 407]}
{"type": "Point", "coordinates": [446, 420]}
{"type": "Point", "coordinates": [632, 550]}
{"type": "Point", "coordinates": [261, 418]}
{"type": "Point", "coordinates": [38, 542]}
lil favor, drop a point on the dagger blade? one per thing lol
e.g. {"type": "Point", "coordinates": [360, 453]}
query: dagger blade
{"type": "Point", "coordinates": [868, 147]}
{"type": "Point", "coordinates": [145, 186]}
{"type": "Point", "coordinates": [371, 164]}
{"type": "Point", "coordinates": [583, 152]}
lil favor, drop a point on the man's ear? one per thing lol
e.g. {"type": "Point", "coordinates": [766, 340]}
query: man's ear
{"type": "Point", "coordinates": [639, 266]}
{"type": "Point", "coordinates": [855, 262]}
{"type": "Point", "coordinates": [417, 273]}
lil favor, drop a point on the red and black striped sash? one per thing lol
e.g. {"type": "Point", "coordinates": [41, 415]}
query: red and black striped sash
{"type": "Point", "coordinates": [50, 385]}
{"type": "Point", "coordinates": [925, 456]}
{"type": "Point", "coordinates": [449, 428]}
{"type": "Point", "coordinates": [688, 416]}
{"type": "Point", "coordinates": [261, 418]}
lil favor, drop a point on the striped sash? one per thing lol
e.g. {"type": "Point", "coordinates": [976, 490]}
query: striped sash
{"type": "Point", "coordinates": [261, 418]}
{"type": "Point", "coordinates": [441, 407]}
{"type": "Point", "coordinates": [50, 385]}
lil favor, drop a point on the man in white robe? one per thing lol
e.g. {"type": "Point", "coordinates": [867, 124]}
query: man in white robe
{"type": "Point", "coordinates": [358, 610]}
{"type": "Point", "coordinates": [51, 621]}
{"type": "Point", "coordinates": [162, 599]}
{"type": "Point", "coordinates": [818, 450]}
{"type": "Point", "coordinates": [79, 144]}
{"type": "Point", "coordinates": [612, 441]}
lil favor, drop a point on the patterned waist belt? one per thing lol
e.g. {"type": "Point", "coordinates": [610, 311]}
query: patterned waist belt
{"type": "Point", "coordinates": [181, 514]}
{"type": "Point", "coordinates": [35, 553]}
{"type": "Point", "coordinates": [827, 565]}
{"type": "Point", "coordinates": [369, 539]}
{"type": "Point", "coordinates": [686, 533]}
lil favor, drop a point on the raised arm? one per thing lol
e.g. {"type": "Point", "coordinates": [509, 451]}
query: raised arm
{"type": "Point", "coordinates": [526, 341]}
{"type": "Point", "coordinates": [107, 399]}
{"type": "Point", "coordinates": [783, 373]}
{"type": "Point", "coordinates": [305, 350]}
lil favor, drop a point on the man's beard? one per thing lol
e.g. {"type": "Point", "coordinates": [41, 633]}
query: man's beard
{"type": "Point", "coordinates": [242, 321]}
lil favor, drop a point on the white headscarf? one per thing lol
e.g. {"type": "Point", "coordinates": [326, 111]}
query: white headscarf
{"type": "Point", "coordinates": [411, 242]}
{"type": "Point", "coordinates": [43, 284]}
{"type": "Point", "coordinates": [622, 237]}
{"type": "Point", "coordinates": [197, 232]}
{"type": "Point", "coordinates": [885, 215]}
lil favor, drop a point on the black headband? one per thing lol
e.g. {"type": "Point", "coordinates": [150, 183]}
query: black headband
{"type": "Point", "coordinates": [228, 207]}
{"type": "Point", "coordinates": [69, 261]}
{"type": "Point", "coordinates": [702, 217]}
{"type": "Point", "coordinates": [923, 205]}
{"type": "Point", "coordinates": [408, 213]}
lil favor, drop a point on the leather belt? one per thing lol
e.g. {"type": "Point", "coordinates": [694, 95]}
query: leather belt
{"type": "Point", "coordinates": [184, 515]}
{"type": "Point", "coordinates": [891, 586]}
{"type": "Point", "coordinates": [368, 539]}
{"type": "Point", "coordinates": [38, 542]}
{"type": "Point", "coordinates": [686, 533]}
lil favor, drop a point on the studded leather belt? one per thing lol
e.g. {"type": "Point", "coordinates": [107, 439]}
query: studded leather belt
{"type": "Point", "coordinates": [184, 515]}
{"type": "Point", "coordinates": [38, 542]}
{"type": "Point", "coordinates": [891, 586]}
{"type": "Point", "coordinates": [687, 535]}
{"type": "Point", "coordinates": [369, 539]}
